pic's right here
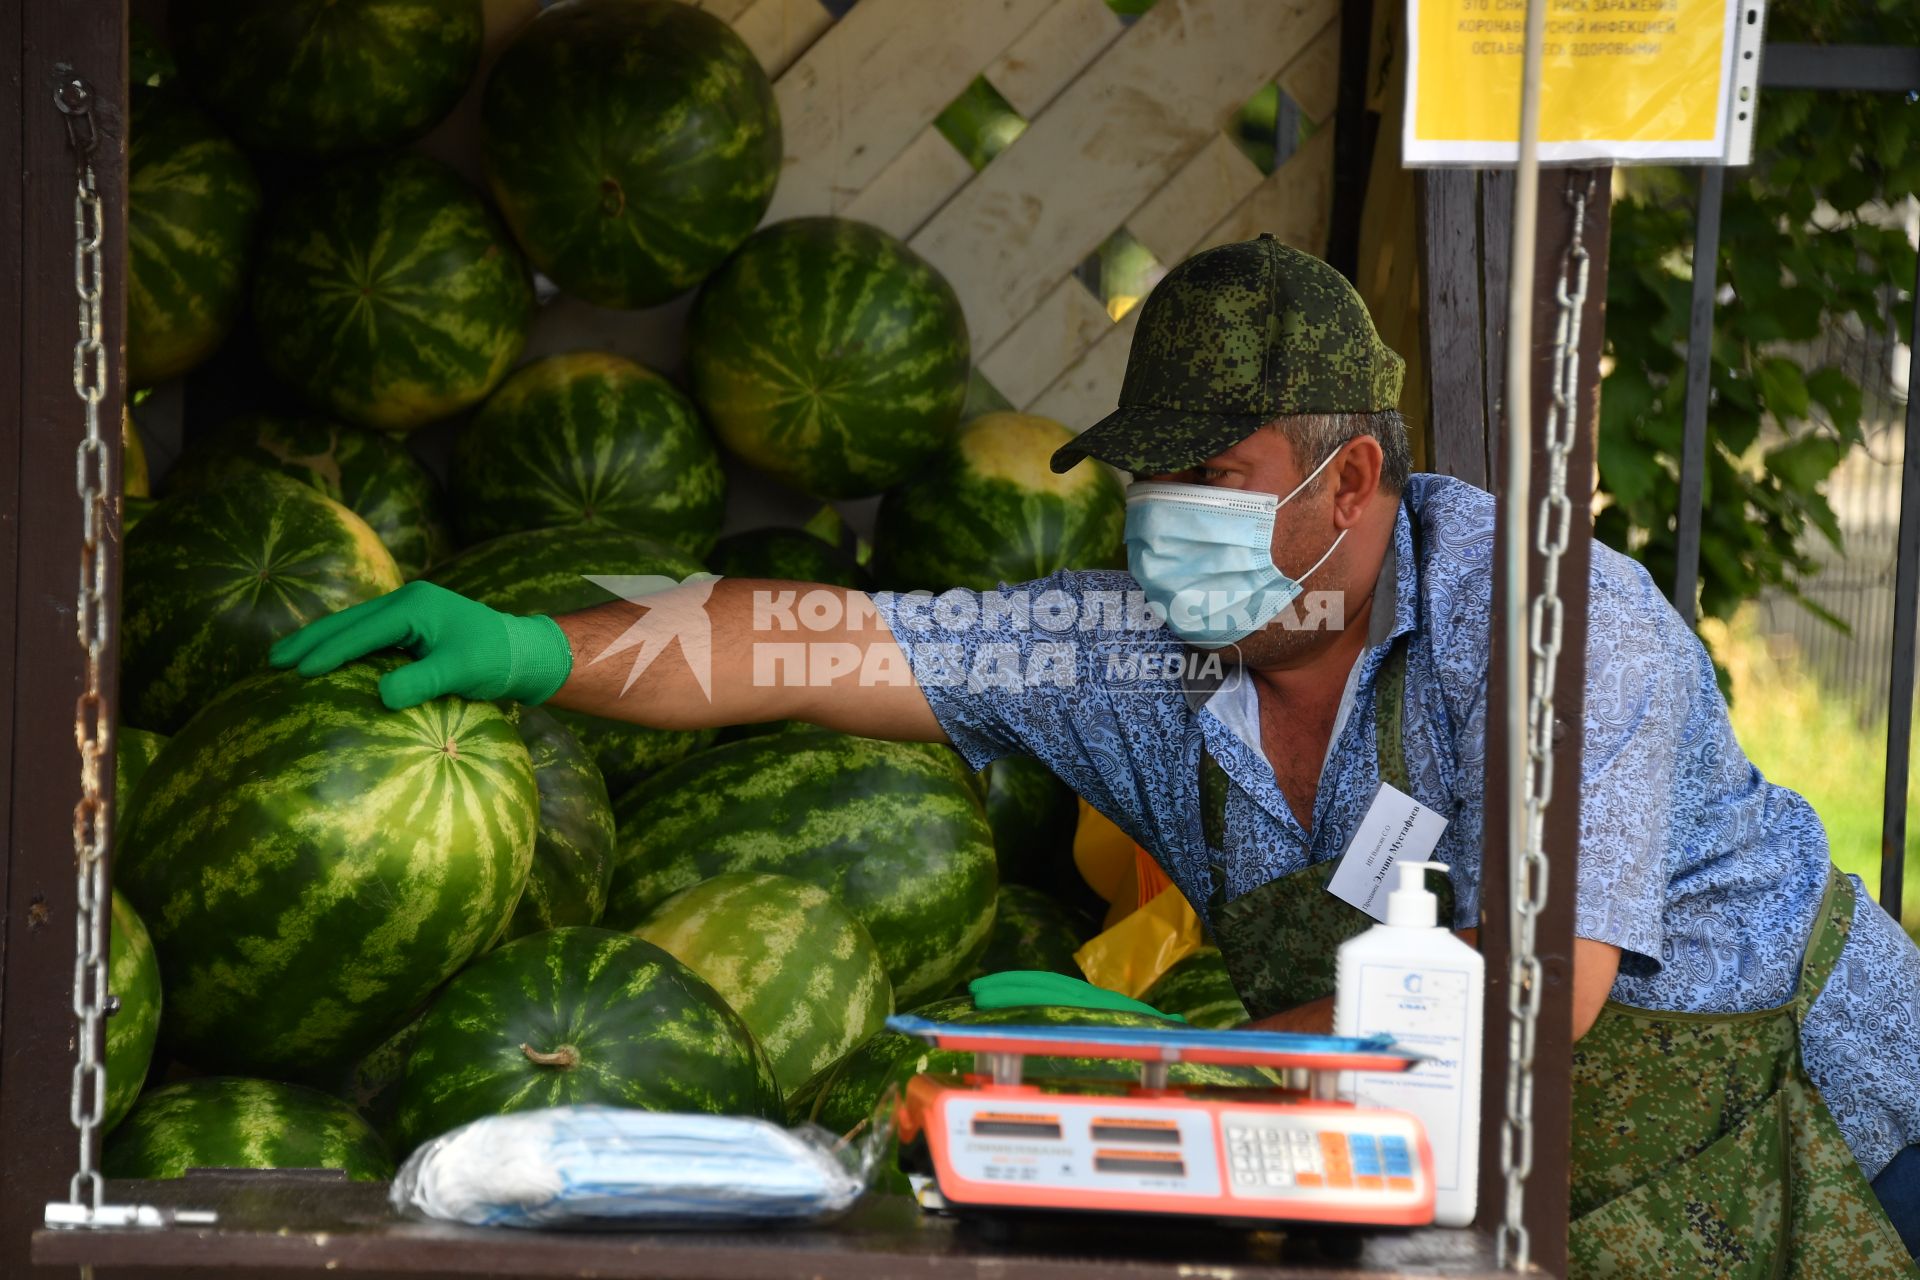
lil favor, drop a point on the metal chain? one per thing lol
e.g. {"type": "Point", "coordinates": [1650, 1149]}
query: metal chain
{"type": "Point", "coordinates": [1553, 528]}
{"type": "Point", "coordinates": [92, 726]}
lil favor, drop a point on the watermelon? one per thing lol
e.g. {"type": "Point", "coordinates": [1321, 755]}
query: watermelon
{"type": "Point", "coordinates": [133, 980]}
{"type": "Point", "coordinates": [319, 77]}
{"type": "Point", "coordinates": [787, 555]}
{"type": "Point", "coordinates": [802, 973]}
{"type": "Point", "coordinates": [369, 473]}
{"type": "Point", "coordinates": [224, 1122]}
{"type": "Point", "coordinates": [631, 144]}
{"type": "Point", "coordinates": [215, 575]}
{"type": "Point", "coordinates": [589, 438]}
{"type": "Point", "coordinates": [133, 511]}
{"type": "Point", "coordinates": [848, 1094]}
{"type": "Point", "coordinates": [312, 865]}
{"type": "Point", "coordinates": [133, 751]}
{"type": "Point", "coordinates": [573, 845]}
{"type": "Point", "coordinates": [830, 355]}
{"type": "Point", "coordinates": [1199, 990]}
{"type": "Point", "coordinates": [192, 202]}
{"type": "Point", "coordinates": [892, 829]}
{"type": "Point", "coordinates": [1033, 815]}
{"type": "Point", "coordinates": [134, 479]}
{"type": "Point", "coordinates": [989, 510]}
{"type": "Point", "coordinates": [541, 571]}
{"type": "Point", "coordinates": [389, 294]}
{"type": "Point", "coordinates": [149, 62]}
{"type": "Point", "coordinates": [577, 1016]}
{"type": "Point", "coordinates": [371, 1085]}
{"type": "Point", "coordinates": [1030, 931]}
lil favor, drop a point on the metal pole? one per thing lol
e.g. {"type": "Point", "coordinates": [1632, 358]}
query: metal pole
{"type": "Point", "coordinates": [1693, 450]}
{"type": "Point", "coordinates": [1906, 591]}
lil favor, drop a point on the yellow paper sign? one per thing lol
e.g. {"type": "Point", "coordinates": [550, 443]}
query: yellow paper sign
{"type": "Point", "coordinates": [1660, 80]}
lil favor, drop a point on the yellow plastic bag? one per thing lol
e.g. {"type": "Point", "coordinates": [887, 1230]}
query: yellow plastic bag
{"type": "Point", "coordinates": [1131, 956]}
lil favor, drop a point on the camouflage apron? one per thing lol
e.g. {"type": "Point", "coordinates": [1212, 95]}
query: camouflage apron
{"type": "Point", "coordinates": [1700, 1147]}
{"type": "Point", "coordinates": [1279, 940]}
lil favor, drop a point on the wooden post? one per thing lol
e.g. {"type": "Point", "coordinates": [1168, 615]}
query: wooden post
{"type": "Point", "coordinates": [39, 572]}
{"type": "Point", "coordinates": [1547, 1188]}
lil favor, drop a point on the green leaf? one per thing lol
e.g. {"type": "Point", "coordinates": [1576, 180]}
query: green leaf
{"type": "Point", "coordinates": [1839, 395]}
{"type": "Point", "coordinates": [1803, 463]}
{"type": "Point", "coordinates": [1783, 390]}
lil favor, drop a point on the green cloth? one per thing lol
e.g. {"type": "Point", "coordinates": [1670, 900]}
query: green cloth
{"type": "Point", "coordinates": [1231, 339]}
{"type": "Point", "coordinates": [1021, 988]}
{"type": "Point", "coordinates": [463, 647]}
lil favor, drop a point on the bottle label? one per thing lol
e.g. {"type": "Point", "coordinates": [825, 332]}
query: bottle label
{"type": "Point", "coordinates": [1426, 1010]}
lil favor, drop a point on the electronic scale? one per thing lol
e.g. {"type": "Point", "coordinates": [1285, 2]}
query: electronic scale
{"type": "Point", "coordinates": [1294, 1153]}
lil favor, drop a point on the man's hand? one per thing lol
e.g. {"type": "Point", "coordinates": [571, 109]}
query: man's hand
{"type": "Point", "coordinates": [463, 647]}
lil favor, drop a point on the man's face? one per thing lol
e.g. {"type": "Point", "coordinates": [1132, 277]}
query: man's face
{"type": "Point", "coordinates": [1303, 529]}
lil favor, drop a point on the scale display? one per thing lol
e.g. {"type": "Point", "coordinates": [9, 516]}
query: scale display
{"type": "Point", "coordinates": [1262, 1155]}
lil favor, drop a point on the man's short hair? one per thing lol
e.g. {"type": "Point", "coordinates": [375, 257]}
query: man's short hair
{"type": "Point", "coordinates": [1314, 437]}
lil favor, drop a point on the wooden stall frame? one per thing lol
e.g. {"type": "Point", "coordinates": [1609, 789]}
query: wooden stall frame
{"type": "Point", "coordinates": [1198, 190]}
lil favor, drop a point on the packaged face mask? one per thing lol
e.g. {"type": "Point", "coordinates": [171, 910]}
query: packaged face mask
{"type": "Point", "coordinates": [593, 1165]}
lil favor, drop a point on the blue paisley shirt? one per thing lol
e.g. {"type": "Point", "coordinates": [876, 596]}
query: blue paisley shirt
{"type": "Point", "coordinates": [1703, 873]}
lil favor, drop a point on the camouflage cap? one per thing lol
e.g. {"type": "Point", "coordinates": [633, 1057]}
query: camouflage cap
{"type": "Point", "coordinates": [1231, 339]}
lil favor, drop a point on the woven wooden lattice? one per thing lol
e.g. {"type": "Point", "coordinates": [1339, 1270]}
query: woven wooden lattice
{"type": "Point", "coordinates": [1126, 130]}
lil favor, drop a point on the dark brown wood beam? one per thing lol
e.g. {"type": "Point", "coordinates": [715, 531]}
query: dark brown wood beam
{"type": "Point", "coordinates": [39, 571]}
{"type": "Point", "coordinates": [1547, 1188]}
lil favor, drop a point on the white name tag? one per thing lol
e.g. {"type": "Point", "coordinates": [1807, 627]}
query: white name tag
{"type": "Point", "coordinates": [1397, 827]}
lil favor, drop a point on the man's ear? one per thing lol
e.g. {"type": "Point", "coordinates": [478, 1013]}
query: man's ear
{"type": "Point", "coordinates": [1356, 478]}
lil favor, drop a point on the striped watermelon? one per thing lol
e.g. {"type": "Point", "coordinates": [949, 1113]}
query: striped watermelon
{"type": "Point", "coordinates": [1199, 990]}
{"type": "Point", "coordinates": [577, 1016]}
{"type": "Point", "coordinates": [135, 482]}
{"type": "Point", "coordinates": [133, 511]}
{"type": "Point", "coordinates": [215, 575]}
{"type": "Point", "coordinates": [830, 355]}
{"type": "Point", "coordinates": [788, 555]}
{"type": "Point", "coordinates": [1030, 931]}
{"type": "Point", "coordinates": [320, 77]}
{"type": "Point", "coordinates": [1033, 815]}
{"type": "Point", "coordinates": [133, 979]}
{"type": "Point", "coordinates": [149, 62]}
{"type": "Point", "coordinates": [192, 202]}
{"type": "Point", "coordinates": [224, 1122]}
{"type": "Point", "coordinates": [849, 1093]}
{"type": "Point", "coordinates": [589, 438]}
{"type": "Point", "coordinates": [802, 973]}
{"type": "Point", "coordinates": [540, 571]}
{"type": "Point", "coordinates": [312, 865]}
{"type": "Point", "coordinates": [573, 846]}
{"type": "Point", "coordinates": [632, 145]}
{"type": "Point", "coordinates": [372, 1085]}
{"type": "Point", "coordinates": [892, 829]}
{"type": "Point", "coordinates": [133, 751]}
{"type": "Point", "coordinates": [370, 473]}
{"type": "Point", "coordinates": [389, 294]}
{"type": "Point", "coordinates": [989, 510]}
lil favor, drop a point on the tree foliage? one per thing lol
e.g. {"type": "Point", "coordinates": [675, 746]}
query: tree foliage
{"type": "Point", "coordinates": [1804, 244]}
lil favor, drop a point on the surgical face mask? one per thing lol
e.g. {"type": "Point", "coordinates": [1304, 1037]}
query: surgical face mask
{"type": "Point", "coordinates": [1205, 556]}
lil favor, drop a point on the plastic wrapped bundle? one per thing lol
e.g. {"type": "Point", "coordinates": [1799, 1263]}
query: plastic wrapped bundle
{"type": "Point", "coordinates": [574, 1166]}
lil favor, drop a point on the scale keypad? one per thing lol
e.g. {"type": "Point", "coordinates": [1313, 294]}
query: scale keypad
{"type": "Point", "coordinates": [1279, 1157]}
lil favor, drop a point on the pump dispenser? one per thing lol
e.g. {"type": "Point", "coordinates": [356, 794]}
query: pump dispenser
{"type": "Point", "coordinates": [1418, 983]}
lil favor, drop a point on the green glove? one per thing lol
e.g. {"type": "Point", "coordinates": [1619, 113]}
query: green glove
{"type": "Point", "coordinates": [463, 647]}
{"type": "Point", "coordinates": [1018, 988]}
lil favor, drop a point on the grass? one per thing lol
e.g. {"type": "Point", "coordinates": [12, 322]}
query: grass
{"type": "Point", "coordinates": [1803, 737]}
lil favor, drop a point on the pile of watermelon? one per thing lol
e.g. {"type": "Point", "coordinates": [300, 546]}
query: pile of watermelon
{"type": "Point", "coordinates": [337, 930]}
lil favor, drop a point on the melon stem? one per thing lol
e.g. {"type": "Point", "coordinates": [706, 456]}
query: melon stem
{"type": "Point", "coordinates": [566, 1057]}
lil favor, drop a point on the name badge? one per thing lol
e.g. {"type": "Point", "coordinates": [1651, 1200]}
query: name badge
{"type": "Point", "coordinates": [1396, 827]}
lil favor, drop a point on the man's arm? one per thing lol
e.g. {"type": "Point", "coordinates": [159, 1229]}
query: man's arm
{"type": "Point", "coordinates": [1595, 965]}
{"type": "Point", "coordinates": [741, 650]}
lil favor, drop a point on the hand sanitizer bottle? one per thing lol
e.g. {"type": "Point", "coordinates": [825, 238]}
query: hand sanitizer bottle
{"type": "Point", "coordinates": [1415, 981]}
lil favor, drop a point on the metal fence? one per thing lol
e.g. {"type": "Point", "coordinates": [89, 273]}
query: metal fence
{"type": "Point", "coordinates": [1855, 583]}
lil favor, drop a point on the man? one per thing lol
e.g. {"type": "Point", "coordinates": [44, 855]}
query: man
{"type": "Point", "coordinates": [1258, 421]}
